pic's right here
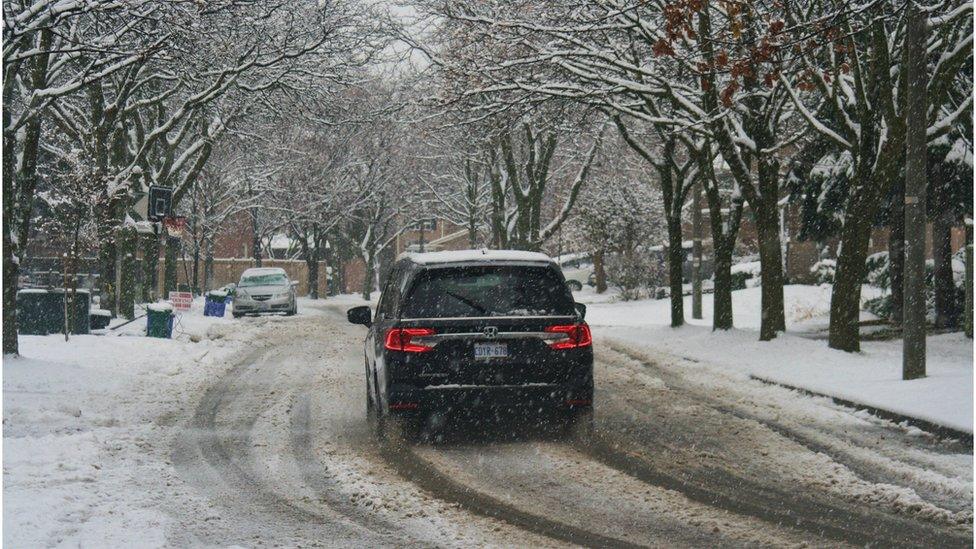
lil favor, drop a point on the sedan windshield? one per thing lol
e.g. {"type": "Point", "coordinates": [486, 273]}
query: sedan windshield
{"type": "Point", "coordinates": [487, 291]}
{"type": "Point", "coordinates": [273, 279]}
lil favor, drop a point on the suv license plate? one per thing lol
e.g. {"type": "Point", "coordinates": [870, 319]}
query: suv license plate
{"type": "Point", "coordinates": [490, 350]}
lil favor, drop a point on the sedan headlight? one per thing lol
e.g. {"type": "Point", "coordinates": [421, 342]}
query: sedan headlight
{"type": "Point", "coordinates": [242, 294]}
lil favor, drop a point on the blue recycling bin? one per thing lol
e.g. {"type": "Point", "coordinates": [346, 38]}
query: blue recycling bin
{"type": "Point", "coordinates": [215, 304]}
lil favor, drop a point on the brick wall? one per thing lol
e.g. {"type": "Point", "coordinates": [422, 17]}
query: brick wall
{"type": "Point", "coordinates": [355, 270]}
{"type": "Point", "coordinates": [234, 238]}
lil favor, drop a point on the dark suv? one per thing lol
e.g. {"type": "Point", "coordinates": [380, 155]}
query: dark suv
{"type": "Point", "coordinates": [458, 332]}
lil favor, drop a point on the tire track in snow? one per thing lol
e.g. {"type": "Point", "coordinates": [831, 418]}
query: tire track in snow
{"type": "Point", "coordinates": [277, 447]}
{"type": "Point", "coordinates": [217, 451]}
{"type": "Point", "coordinates": [858, 523]}
{"type": "Point", "coordinates": [874, 449]}
{"type": "Point", "coordinates": [412, 467]}
{"type": "Point", "coordinates": [558, 489]}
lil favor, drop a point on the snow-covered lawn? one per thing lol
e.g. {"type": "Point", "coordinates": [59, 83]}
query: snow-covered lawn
{"type": "Point", "coordinates": [78, 419]}
{"type": "Point", "coordinates": [871, 377]}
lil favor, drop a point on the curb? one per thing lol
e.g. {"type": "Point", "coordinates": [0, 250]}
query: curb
{"type": "Point", "coordinates": [940, 431]}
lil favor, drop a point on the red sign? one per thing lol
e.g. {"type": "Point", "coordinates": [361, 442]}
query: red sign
{"type": "Point", "coordinates": [181, 300]}
{"type": "Point", "coordinates": [175, 225]}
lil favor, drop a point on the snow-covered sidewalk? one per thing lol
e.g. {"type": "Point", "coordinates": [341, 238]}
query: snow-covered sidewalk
{"type": "Point", "coordinates": [871, 378]}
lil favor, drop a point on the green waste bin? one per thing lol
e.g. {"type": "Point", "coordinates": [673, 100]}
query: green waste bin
{"type": "Point", "coordinates": [159, 320]}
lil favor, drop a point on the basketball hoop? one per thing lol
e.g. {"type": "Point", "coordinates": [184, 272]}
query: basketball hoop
{"type": "Point", "coordinates": [175, 225]}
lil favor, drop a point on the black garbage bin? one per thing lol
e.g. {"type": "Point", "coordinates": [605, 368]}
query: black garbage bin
{"type": "Point", "coordinates": [100, 319]}
{"type": "Point", "coordinates": [41, 312]}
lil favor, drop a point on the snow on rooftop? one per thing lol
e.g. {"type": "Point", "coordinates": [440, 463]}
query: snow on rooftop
{"type": "Point", "coordinates": [462, 256]}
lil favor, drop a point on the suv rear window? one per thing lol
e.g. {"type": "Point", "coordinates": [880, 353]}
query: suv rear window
{"type": "Point", "coordinates": [487, 291]}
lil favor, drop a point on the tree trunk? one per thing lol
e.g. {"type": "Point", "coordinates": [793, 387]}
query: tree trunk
{"type": "Point", "coordinates": [340, 278]}
{"type": "Point", "coordinates": [330, 269]}
{"type": "Point", "coordinates": [896, 252]}
{"type": "Point", "coordinates": [676, 257]}
{"type": "Point", "coordinates": [969, 281]}
{"type": "Point", "coordinates": [255, 239]}
{"type": "Point", "coordinates": [208, 263]}
{"type": "Point", "coordinates": [67, 301]}
{"type": "Point", "coordinates": [150, 264]}
{"type": "Point", "coordinates": [696, 281]}
{"type": "Point", "coordinates": [169, 265]}
{"type": "Point", "coordinates": [107, 261]}
{"type": "Point", "coordinates": [196, 267]}
{"type": "Point", "coordinates": [724, 232]}
{"type": "Point", "coordinates": [11, 273]}
{"type": "Point", "coordinates": [368, 279]}
{"type": "Point", "coordinates": [127, 289]}
{"type": "Point", "coordinates": [472, 233]}
{"type": "Point", "coordinates": [771, 258]}
{"type": "Point", "coordinates": [722, 295]}
{"type": "Point", "coordinates": [599, 271]}
{"type": "Point", "coordinates": [20, 182]}
{"type": "Point", "coordinates": [845, 300]}
{"type": "Point", "coordinates": [945, 287]}
{"type": "Point", "coordinates": [12, 213]}
{"type": "Point", "coordinates": [11, 216]}
{"type": "Point", "coordinates": [313, 276]}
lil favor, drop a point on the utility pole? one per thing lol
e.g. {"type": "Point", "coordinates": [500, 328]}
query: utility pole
{"type": "Point", "coordinates": [913, 351]}
{"type": "Point", "coordinates": [696, 253]}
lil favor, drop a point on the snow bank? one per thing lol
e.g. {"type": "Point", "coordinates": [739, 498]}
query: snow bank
{"type": "Point", "coordinates": [79, 419]}
{"type": "Point", "coordinates": [800, 357]}
{"type": "Point", "coordinates": [807, 308]}
{"type": "Point", "coordinates": [753, 268]}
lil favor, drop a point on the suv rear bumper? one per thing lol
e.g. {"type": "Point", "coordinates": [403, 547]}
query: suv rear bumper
{"type": "Point", "coordinates": [409, 400]}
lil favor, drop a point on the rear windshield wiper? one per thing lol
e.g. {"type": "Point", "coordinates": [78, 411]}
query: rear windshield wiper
{"type": "Point", "coordinates": [473, 304]}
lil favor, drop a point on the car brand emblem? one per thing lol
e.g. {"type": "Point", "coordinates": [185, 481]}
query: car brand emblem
{"type": "Point", "coordinates": [491, 332]}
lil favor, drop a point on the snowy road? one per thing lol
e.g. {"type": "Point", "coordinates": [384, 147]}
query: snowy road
{"type": "Point", "coordinates": [276, 451]}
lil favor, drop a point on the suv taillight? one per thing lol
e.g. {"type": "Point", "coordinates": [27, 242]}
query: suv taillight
{"type": "Point", "coordinates": [399, 339]}
{"type": "Point", "coordinates": [577, 335]}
